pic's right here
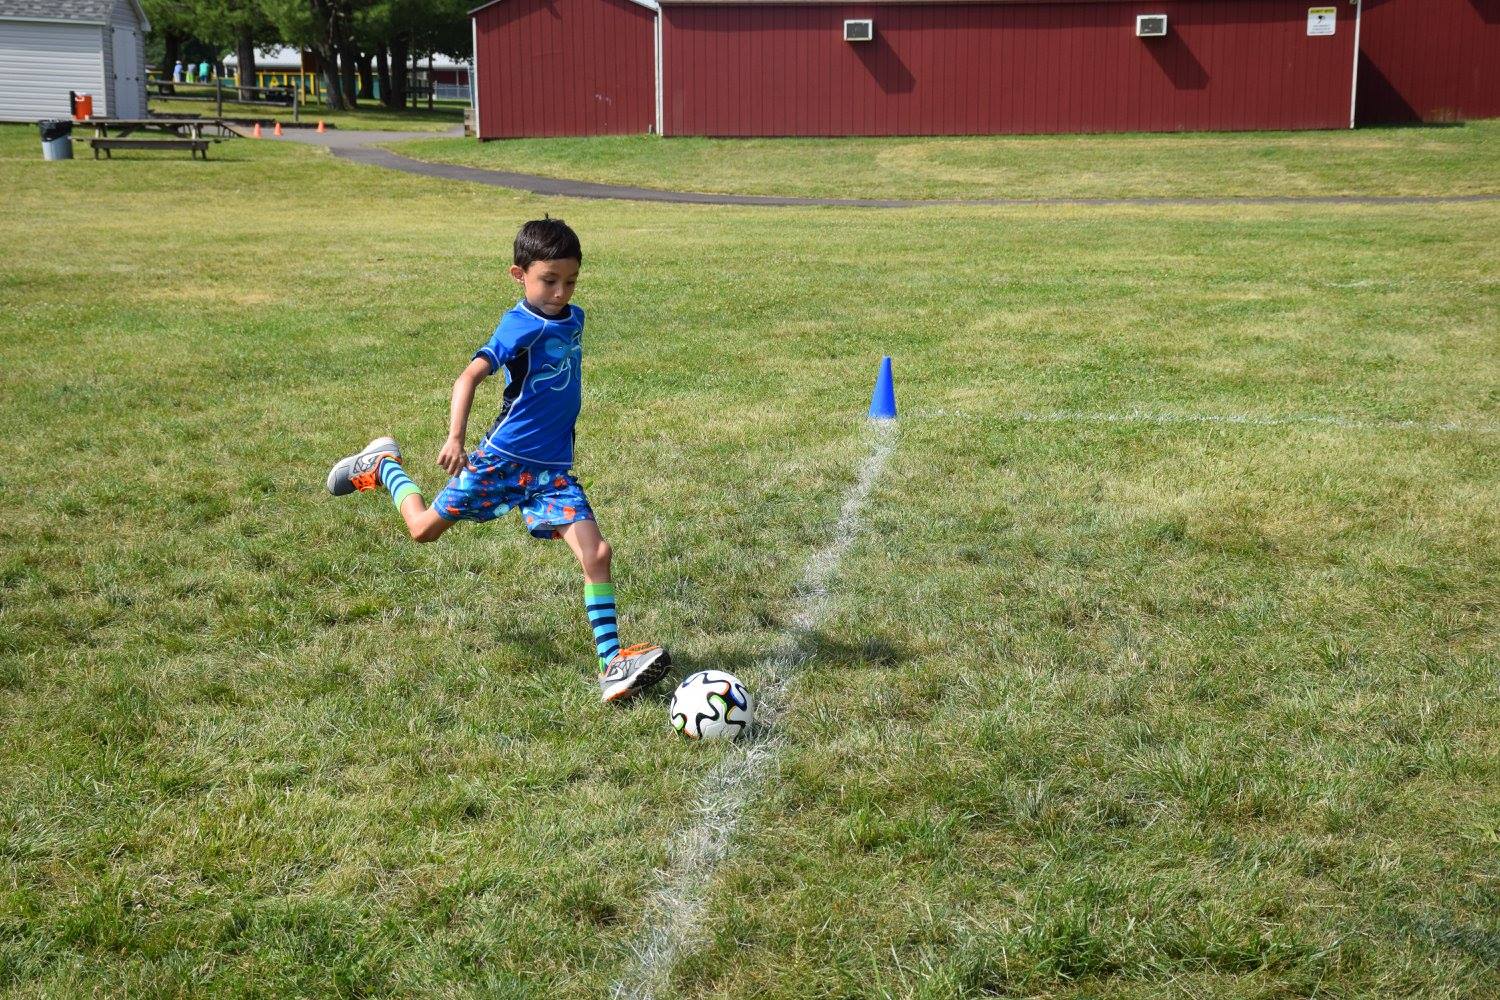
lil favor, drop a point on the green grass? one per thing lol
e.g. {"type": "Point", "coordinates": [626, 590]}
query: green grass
{"type": "Point", "coordinates": [369, 115]}
{"type": "Point", "coordinates": [1098, 710]}
{"type": "Point", "coordinates": [1390, 161]}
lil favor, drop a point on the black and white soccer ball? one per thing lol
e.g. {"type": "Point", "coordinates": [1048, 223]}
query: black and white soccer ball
{"type": "Point", "coordinates": [712, 705]}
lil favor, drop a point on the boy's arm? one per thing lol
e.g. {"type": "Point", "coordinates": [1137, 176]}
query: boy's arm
{"type": "Point", "coordinates": [451, 457]}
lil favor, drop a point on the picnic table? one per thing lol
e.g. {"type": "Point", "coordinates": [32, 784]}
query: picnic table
{"type": "Point", "coordinates": [184, 127]}
{"type": "Point", "coordinates": [173, 133]}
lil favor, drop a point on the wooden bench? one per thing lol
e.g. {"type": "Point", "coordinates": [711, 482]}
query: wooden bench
{"type": "Point", "coordinates": [196, 146]}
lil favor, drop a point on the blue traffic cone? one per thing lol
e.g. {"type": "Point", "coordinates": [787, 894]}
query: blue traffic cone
{"type": "Point", "coordinates": [883, 399]}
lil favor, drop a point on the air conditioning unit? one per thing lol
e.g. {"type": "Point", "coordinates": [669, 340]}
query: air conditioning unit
{"type": "Point", "coordinates": [1151, 26]}
{"type": "Point", "coordinates": [859, 31]}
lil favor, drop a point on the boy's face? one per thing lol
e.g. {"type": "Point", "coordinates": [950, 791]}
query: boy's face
{"type": "Point", "coordinates": [548, 283]}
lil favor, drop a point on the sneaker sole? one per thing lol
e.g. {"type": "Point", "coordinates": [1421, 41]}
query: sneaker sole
{"type": "Point", "coordinates": [337, 476]}
{"type": "Point", "coordinates": [653, 673]}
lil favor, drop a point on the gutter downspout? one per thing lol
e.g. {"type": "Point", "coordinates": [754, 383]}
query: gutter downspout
{"type": "Point", "coordinates": [1359, 7]}
{"type": "Point", "coordinates": [474, 77]}
{"type": "Point", "coordinates": [660, 117]}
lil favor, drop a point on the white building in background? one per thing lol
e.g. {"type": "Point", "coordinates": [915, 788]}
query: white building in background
{"type": "Point", "coordinates": [51, 47]}
{"type": "Point", "coordinates": [283, 66]}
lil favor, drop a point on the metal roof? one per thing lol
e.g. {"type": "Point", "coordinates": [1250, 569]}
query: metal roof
{"type": "Point", "coordinates": [82, 11]}
{"type": "Point", "coordinates": [875, 3]}
{"type": "Point", "coordinates": [71, 11]}
{"type": "Point", "coordinates": [284, 58]}
{"type": "Point", "coordinates": [648, 4]}
{"type": "Point", "coordinates": [658, 4]}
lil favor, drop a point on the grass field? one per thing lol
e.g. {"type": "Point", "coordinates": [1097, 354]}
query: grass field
{"type": "Point", "coordinates": [1120, 693]}
{"type": "Point", "coordinates": [1393, 161]}
{"type": "Point", "coordinates": [369, 115]}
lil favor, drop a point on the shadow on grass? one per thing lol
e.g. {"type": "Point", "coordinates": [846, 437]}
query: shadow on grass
{"type": "Point", "coordinates": [812, 650]}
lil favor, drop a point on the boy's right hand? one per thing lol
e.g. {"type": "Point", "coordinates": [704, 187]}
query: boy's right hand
{"type": "Point", "coordinates": [451, 457]}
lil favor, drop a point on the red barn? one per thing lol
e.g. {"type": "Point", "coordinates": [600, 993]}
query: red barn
{"type": "Point", "coordinates": [937, 67]}
{"type": "Point", "coordinates": [564, 67]}
{"type": "Point", "coordinates": [1429, 61]}
{"type": "Point", "coordinates": [969, 69]}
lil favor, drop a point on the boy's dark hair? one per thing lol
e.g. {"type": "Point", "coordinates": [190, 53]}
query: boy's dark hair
{"type": "Point", "coordinates": [546, 239]}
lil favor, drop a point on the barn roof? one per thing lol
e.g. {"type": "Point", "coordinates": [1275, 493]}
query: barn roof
{"type": "Point", "coordinates": [878, 3]}
{"type": "Point", "coordinates": [79, 11]}
{"type": "Point", "coordinates": [648, 4]}
{"type": "Point", "coordinates": [658, 4]}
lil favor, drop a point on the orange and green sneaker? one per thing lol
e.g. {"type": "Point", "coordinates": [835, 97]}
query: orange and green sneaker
{"type": "Point", "coordinates": [361, 471]}
{"type": "Point", "coordinates": [633, 669]}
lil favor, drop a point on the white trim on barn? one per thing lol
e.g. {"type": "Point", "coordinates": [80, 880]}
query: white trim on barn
{"type": "Point", "coordinates": [660, 109]}
{"type": "Point", "coordinates": [474, 71]}
{"type": "Point", "coordinates": [1359, 8]}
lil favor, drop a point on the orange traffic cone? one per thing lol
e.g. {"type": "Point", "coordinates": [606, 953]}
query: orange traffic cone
{"type": "Point", "coordinates": [256, 133]}
{"type": "Point", "coordinates": [320, 126]}
{"type": "Point", "coordinates": [277, 132]}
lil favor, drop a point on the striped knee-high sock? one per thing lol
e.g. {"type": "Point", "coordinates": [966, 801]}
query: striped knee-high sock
{"type": "Point", "coordinates": [396, 481]}
{"type": "Point", "coordinates": [599, 600]}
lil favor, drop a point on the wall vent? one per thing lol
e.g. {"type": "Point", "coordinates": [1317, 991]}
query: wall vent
{"type": "Point", "coordinates": [859, 31]}
{"type": "Point", "coordinates": [1151, 25]}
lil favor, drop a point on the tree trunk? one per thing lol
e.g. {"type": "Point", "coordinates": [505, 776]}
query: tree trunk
{"type": "Point", "coordinates": [347, 54]}
{"type": "Point", "coordinates": [171, 52]}
{"type": "Point", "coordinates": [333, 88]}
{"type": "Point", "coordinates": [328, 66]}
{"type": "Point", "coordinates": [366, 63]}
{"type": "Point", "coordinates": [346, 74]}
{"type": "Point", "coordinates": [244, 51]}
{"type": "Point", "coordinates": [383, 66]}
{"type": "Point", "coordinates": [400, 56]}
{"type": "Point", "coordinates": [330, 44]}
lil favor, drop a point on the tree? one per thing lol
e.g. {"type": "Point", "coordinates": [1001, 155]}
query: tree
{"type": "Point", "coordinates": [324, 26]}
{"type": "Point", "coordinates": [369, 38]}
{"type": "Point", "coordinates": [171, 24]}
{"type": "Point", "coordinates": [240, 25]}
{"type": "Point", "coordinates": [397, 30]}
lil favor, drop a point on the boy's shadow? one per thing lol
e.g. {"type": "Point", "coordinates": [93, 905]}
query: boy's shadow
{"type": "Point", "coordinates": [798, 653]}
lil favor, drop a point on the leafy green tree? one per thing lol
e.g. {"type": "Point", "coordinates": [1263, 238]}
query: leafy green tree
{"type": "Point", "coordinates": [392, 33]}
{"type": "Point", "coordinates": [171, 25]}
{"type": "Point", "coordinates": [240, 25]}
{"type": "Point", "coordinates": [326, 28]}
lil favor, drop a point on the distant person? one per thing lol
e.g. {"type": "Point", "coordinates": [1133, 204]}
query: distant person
{"type": "Point", "coordinates": [177, 72]}
{"type": "Point", "coordinates": [192, 73]}
{"type": "Point", "coordinates": [205, 72]}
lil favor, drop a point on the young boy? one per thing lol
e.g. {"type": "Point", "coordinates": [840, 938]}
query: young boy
{"type": "Point", "coordinates": [525, 459]}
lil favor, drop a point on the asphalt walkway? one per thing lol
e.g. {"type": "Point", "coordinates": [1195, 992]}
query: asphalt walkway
{"type": "Point", "coordinates": [362, 147]}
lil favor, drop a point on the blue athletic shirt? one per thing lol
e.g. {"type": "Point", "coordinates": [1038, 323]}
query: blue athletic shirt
{"type": "Point", "coordinates": [543, 361]}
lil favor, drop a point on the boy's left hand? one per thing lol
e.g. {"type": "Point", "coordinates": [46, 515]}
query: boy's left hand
{"type": "Point", "coordinates": [451, 457]}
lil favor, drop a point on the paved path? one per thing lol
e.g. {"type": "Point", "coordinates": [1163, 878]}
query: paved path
{"type": "Point", "coordinates": [361, 147]}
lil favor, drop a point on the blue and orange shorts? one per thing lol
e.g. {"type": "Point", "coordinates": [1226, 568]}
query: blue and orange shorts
{"type": "Point", "coordinates": [549, 498]}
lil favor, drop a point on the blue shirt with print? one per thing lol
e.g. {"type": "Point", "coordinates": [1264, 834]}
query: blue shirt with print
{"type": "Point", "coordinates": [542, 357]}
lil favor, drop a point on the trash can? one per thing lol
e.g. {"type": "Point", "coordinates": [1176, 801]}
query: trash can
{"type": "Point", "coordinates": [57, 139]}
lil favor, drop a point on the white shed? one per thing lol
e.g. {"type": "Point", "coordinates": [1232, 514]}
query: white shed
{"type": "Point", "coordinates": [49, 47]}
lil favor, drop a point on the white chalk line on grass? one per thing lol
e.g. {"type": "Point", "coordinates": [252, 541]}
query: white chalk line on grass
{"type": "Point", "coordinates": [674, 913]}
{"type": "Point", "coordinates": [1242, 419]}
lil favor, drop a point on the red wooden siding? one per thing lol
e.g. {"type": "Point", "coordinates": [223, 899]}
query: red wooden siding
{"type": "Point", "coordinates": [565, 67]}
{"type": "Point", "coordinates": [1429, 60]}
{"type": "Point", "coordinates": [946, 69]}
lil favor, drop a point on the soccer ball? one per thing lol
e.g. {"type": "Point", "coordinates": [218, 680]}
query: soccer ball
{"type": "Point", "coordinates": [712, 705]}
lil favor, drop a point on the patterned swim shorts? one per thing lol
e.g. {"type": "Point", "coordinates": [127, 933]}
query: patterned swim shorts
{"type": "Point", "coordinates": [489, 485]}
